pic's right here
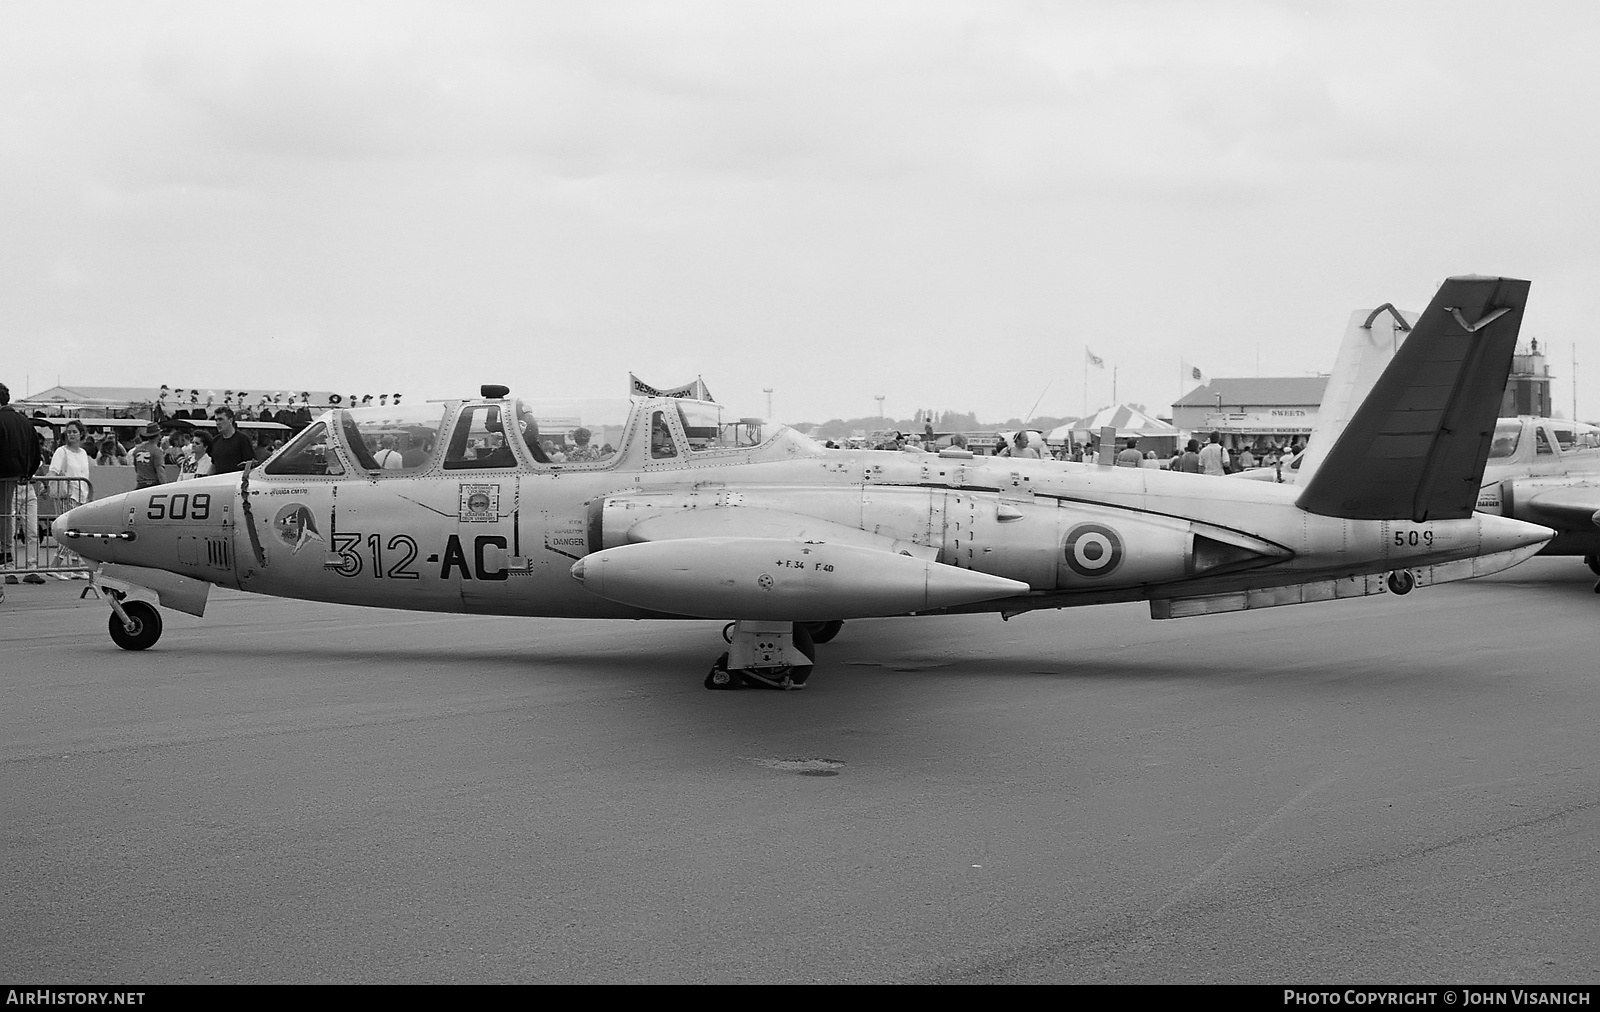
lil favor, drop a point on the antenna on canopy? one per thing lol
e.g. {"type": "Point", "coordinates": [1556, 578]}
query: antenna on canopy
{"type": "Point", "coordinates": [1035, 407]}
{"type": "Point", "coordinates": [494, 391]}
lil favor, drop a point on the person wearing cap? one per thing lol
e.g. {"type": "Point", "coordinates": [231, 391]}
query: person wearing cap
{"type": "Point", "coordinates": [232, 450]}
{"type": "Point", "coordinates": [1130, 455]}
{"type": "Point", "coordinates": [1021, 446]}
{"type": "Point", "coordinates": [149, 460]}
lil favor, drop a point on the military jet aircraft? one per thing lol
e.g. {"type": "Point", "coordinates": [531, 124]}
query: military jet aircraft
{"type": "Point", "coordinates": [696, 515]}
{"type": "Point", "coordinates": [1547, 471]}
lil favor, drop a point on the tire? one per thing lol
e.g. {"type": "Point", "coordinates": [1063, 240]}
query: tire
{"type": "Point", "coordinates": [720, 677]}
{"type": "Point", "coordinates": [805, 642]}
{"type": "Point", "coordinates": [824, 632]}
{"type": "Point", "coordinates": [1401, 582]}
{"type": "Point", "coordinates": [1593, 562]}
{"type": "Point", "coordinates": [147, 626]}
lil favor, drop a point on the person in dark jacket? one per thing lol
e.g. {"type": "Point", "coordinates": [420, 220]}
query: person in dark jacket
{"type": "Point", "coordinates": [20, 456]}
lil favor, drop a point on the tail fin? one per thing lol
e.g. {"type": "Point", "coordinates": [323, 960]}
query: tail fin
{"type": "Point", "coordinates": [1370, 343]}
{"type": "Point", "coordinates": [1415, 448]}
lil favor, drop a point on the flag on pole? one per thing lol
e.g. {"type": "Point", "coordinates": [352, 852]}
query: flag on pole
{"type": "Point", "coordinates": [1093, 359]}
{"type": "Point", "coordinates": [1191, 373]}
{"type": "Point", "coordinates": [693, 391]}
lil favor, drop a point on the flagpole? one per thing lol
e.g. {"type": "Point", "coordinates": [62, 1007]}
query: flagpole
{"type": "Point", "coordinates": [1086, 381]}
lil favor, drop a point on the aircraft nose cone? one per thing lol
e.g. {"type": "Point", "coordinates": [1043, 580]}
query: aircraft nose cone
{"type": "Point", "coordinates": [1504, 534]}
{"type": "Point", "coordinates": [58, 529]}
{"type": "Point", "coordinates": [96, 523]}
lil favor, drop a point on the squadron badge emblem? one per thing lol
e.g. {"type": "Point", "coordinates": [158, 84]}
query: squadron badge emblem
{"type": "Point", "coordinates": [295, 527]}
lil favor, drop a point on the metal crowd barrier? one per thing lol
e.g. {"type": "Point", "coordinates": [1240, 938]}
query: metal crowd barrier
{"type": "Point", "coordinates": [28, 551]}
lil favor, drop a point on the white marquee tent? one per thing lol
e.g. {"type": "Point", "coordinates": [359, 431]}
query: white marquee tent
{"type": "Point", "coordinates": [1153, 433]}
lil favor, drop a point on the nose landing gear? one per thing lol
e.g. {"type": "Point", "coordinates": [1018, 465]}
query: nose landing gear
{"type": "Point", "coordinates": [134, 625]}
{"type": "Point", "coordinates": [1401, 581]}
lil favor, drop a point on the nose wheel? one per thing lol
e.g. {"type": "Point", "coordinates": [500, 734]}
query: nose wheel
{"type": "Point", "coordinates": [1401, 581]}
{"type": "Point", "coordinates": [134, 625]}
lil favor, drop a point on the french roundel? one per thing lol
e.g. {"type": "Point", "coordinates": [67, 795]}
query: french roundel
{"type": "Point", "coordinates": [1093, 550]}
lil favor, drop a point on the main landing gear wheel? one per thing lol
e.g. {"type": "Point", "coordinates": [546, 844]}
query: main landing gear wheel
{"type": "Point", "coordinates": [824, 632]}
{"type": "Point", "coordinates": [1401, 581]}
{"type": "Point", "coordinates": [720, 677]}
{"type": "Point", "coordinates": [770, 655]}
{"type": "Point", "coordinates": [146, 626]}
{"type": "Point", "coordinates": [1592, 560]}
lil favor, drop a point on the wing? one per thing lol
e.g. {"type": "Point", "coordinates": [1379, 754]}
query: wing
{"type": "Point", "coordinates": [755, 522]}
{"type": "Point", "coordinates": [1563, 507]}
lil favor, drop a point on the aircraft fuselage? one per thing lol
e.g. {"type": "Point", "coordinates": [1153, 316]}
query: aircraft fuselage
{"type": "Point", "coordinates": [505, 540]}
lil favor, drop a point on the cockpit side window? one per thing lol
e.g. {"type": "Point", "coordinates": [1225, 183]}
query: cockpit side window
{"type": "Point", "coordinates": [1542, 444]}
{"type": "Point", "coordinates": [396, 439]}
{"type": "Point", "coordinates": [661, 444]}
{"type": "Point", "coordinates": [479, 440]}
{"type": "Point", "coordinates": [706, 429]}
{"type": "Point", "coordinates": [559, 436]}
{"type": "Point", "coordinates": [1506, 436]}
{"type": "Point", "coordinates": [354, 443]}
{"type": "Point", "coordinates": [308, 453]}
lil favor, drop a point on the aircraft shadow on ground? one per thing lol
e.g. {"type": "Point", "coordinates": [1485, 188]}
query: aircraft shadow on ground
{"type": "Point", "coordinates": [689, 658]}
{"type": "Point", "coordinates": [871, 652]}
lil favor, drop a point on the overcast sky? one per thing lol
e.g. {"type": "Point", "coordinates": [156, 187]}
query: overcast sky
{"type": "Point", "coordinates": [942, 203]}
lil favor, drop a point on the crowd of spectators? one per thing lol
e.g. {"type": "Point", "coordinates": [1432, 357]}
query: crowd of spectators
{"type": "Point", "coordinates": [288, 409]}
{"type": "Point", "coordinates": [1208, 457]}
{"type": "Point", "coordinates": [45, 463]}
{"type": "Point", "coordinates": [38, 481]}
